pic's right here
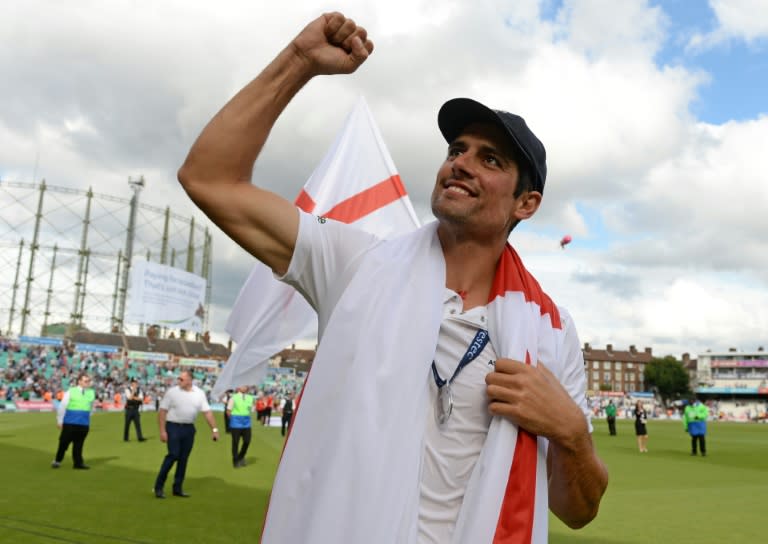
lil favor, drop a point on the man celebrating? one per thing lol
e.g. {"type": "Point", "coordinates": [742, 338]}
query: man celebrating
{"type": "Point", "coordinates": [463, 415]}
{"type": "Point", "coordinates": [134, 398]}
{"type": "Point", "coordinates": [176, 418]}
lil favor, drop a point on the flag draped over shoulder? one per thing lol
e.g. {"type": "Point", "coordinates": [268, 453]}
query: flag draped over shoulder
{"type": "Point", "coordinates": [356, 182]}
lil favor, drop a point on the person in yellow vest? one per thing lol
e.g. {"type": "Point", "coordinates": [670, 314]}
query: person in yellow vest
{"type": "Point", "coordinates": [695, 423]}
{"type": "Point", "coordinates": [239, 410]}
{"type": "Point", "coordinates": [74, 419]}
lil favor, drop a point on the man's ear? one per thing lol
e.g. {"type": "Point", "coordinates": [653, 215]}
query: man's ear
{"type": "Point", "coordinates": [528, 204]}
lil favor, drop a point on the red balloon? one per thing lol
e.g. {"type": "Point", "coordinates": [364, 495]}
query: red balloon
{"type": "Point", "coordinates": [565, 241]}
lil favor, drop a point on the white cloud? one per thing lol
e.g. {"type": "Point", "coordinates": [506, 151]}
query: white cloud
{"type": "Point", "coordinates": [666, 212]}
{"type": "Point", "coordinates": [736, 19]}
{"type": "Point", "coordinates": [621, 30]}
{"type": "Point", "coordinates": [711, 195]}
{"type": "Point", "coordinates": [747, 19]}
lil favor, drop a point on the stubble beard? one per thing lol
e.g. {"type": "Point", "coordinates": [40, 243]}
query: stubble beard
{"type": "Point", "coordinates": [448, 212]}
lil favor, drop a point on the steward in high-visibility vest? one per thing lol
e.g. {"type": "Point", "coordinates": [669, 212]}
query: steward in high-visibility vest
{"type": "Point", "coordinates": [695, 422]}
{"type": "Point", "coordinates": [78, 410]}
{"type": "Point", "coordinates": [240, 417]}
{"type": "Point", "coordinates": [74, 419]}
{"type": "Point", "coordinates": [239, 410]}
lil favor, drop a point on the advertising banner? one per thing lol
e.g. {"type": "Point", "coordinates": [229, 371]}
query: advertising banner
{"type": "Point", "coordinates": [40, 340]}
{"type": "Point", "coordinates": [96, 348]}
{"type": "Point", "coordinates": [33, 405]}
{"type": "Point", "coordinates": [166, 296]}
{"type": "Point", "coordinates": [207, 363]}
{"type": "Point", "coordinates": [728, 390]}
{"type": "Point", "coordinates": [736, 363]}
{"type": "Point", "coordinates": [148, 356]}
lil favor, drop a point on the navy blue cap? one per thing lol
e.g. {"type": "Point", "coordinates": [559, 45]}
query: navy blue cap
{"type": "Point", "coordinates": [458, 113]}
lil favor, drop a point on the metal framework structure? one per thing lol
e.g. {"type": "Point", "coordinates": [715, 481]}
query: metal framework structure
{"type": "Point", "coordinates": [65, 255]}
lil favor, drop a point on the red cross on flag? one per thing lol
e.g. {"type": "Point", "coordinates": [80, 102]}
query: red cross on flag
{"type": "Point", "coordinates": [356, 182]}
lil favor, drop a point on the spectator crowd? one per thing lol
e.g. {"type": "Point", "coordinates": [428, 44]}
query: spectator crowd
{"type": "Point", "coordinates": [45, 372]}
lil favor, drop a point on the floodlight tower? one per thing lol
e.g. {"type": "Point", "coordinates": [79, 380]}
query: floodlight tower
{"type": "Point", "coordinates": [25, 311]}
{"type": "Point", "coordinates": [136, 185]}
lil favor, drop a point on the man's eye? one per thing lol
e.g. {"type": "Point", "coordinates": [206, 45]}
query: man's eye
{"type": "Point", "coordinates": [454, 153]}
{"type": "Point", "coordinates": [492, 160]}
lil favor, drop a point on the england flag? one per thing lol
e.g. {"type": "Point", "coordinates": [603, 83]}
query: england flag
{"type": "Point", "coordinates": [356, 182]}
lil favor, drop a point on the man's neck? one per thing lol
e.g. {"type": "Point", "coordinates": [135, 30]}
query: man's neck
{"type": "Point", "coordinates": [470, 267]}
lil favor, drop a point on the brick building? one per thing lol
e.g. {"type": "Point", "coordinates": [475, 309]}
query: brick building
{"type": "Point", "coordinates": [607, 369]}
{"type": "Point", "coordinates": [613, 370]}
{"type": "Point", "coordinates": [298, 359]}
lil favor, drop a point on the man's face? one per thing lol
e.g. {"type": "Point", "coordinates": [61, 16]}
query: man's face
{"type": "Point", "coordinates": [185, 380]}
{"type": "Point", "coordinates": [84, 381]}
{"type": "Point", "coordinates": [475, 186]}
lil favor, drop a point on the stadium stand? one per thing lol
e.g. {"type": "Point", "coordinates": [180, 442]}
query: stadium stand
{"type": "Point", "coordinates": [99, 339]}
{"type": "Point", "coordinates": [137, 343]}
{"type": "Point", "coordinates": [168, 345]}
{"type": "Point", "coordinates": [740, 410]}
{"type": "Point", "coordinates": [36, 372]}
{"type": "Point", "coordinates": [195, 349]}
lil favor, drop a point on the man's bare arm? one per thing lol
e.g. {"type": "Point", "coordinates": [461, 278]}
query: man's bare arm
{"type": "Point", "coordinates": [577, 480]}
{"type": "Point", "coordinates": [161, 416]}
{"type": "Point", "coordinates": [212, 424]}
{"type": "Point", "coordinates": [217, 172]}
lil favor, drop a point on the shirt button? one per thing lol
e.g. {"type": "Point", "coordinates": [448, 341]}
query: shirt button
{"type": "Point", "coordinates": [453, 311]}
{"type": "Point", "coordinates": [482, 318]}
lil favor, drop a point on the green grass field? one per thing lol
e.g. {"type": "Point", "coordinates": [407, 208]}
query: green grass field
{"type": "Point", "coordinates": [657, 497]}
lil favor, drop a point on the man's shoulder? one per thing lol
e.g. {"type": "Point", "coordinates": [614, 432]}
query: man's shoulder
{"type": "Point", "coordinates": [333, 226]}
{"type": "Point", "coordinates": [199, 392]}
{"type": "Point", "coordinates": [354, 234]}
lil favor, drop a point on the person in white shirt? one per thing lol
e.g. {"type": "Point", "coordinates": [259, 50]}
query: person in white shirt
{"type": "Point", "coordinates": [176, 418]}
{"type": "Point", "coordinates": [454, 419]}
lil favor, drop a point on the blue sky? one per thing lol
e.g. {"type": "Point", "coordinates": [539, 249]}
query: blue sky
{"type": "Point", "coordinates": [739, 69]}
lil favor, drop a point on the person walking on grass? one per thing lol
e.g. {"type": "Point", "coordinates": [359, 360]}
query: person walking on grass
{"type": "Point", "coordinates": [695, 423]}
{"type": "Point", "coordinates": [239, 410]}
{"type": "Point", "coordinates": [74, 419]}
{"type": "Point", "coordinates": [134, 399]}
{"type": "Point", "coordinates": [287, 414]}
{"type": "Point", "coordinates": [176, 419]}
{"type": "Point", "coordinates": [641, 431]}
{"type": "Point", "coordinates": [610, 414]}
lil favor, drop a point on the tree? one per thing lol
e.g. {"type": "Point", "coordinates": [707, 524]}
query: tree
{"type": "Point", "coordinates": [668, 376]}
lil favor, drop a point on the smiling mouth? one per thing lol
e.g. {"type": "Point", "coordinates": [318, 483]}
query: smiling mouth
{"type": "Point", "coordinates": [458, 189]}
